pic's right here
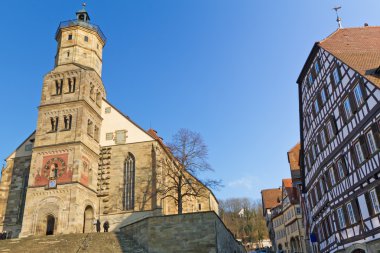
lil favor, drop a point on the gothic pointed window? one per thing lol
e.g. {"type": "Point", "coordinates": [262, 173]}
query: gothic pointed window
{"type": "Point", "coordinates": [129, 183]}
{"type": "Point", "coordinates": [71, 83]}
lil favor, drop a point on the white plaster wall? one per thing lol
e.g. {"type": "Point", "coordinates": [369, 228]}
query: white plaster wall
{"type": "Point", "coordinates": [115, 121]}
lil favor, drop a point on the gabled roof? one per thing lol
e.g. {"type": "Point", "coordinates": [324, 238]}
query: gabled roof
{"type": "Point", "coordinates": [358, 47]}
{"type": "Point", "coordinates": [291, 191]}
{"type": "Point", "coordinates": [270, 198]}
{"type": "Point", "coordinates": [294, 157]}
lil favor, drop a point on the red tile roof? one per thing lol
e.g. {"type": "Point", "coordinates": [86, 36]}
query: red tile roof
{"type": "Point", "coordinates": [271, 198]}
{"type": "Point", "coordinates": [294, 157]}
{"type": "Point", "coordinates": [357, 47]}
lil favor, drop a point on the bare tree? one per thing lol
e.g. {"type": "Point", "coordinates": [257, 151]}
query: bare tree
{"type": "Point", "coordinates": [189, 159]}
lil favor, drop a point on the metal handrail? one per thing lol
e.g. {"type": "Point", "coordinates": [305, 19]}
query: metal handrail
{"type": "Point", "coordinates": [76, 22]}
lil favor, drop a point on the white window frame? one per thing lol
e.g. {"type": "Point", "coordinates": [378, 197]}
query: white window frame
{"type": "Point", "coordinates": [359, 99]}
{"type": "Point", "coordinates": [371, 142]}
{"type": "Point", "coordinates": [374, 201]}
{"type": "Point", "coordinates": [347, 108]}
{"type": "Point", "coordinates": [359, 152]}
{"type": "Point", "coordinates": [351, 214]}
{"type": "Point", "coordinates": [336, 76]}
{"type": "Point", "coordinates": [341, 220]}
{"type": "Point", "coordinates": [332, 176]}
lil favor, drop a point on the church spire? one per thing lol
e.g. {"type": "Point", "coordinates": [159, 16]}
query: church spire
{"type": "Point", "coordinates": [82, 15]}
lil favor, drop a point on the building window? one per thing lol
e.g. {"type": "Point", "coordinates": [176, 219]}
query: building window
{"type": "Point", "coordinates": [316, 106]}
{"type": "Point", "coordinates": [109, 136]}
{"type": "Point", "coordinates": [358, 95]}
{"type": "Point", "coordinates": [28, 147]}
{"type": "Point", "coordinates": [323, 96]}
{"type": "Point", "coordinates": [120, 137]}
{"type": "Point", "coordinates": [341, 220]}
{"type": "Point", "coordinates": [58, 87]}
{"type": "Point", "coordinates": [107, 110]}
{"type": "Point", "coordinates": [332, 176]}
{"type": "Point", "coordinates": [67, 119]}
{"type": "Point", "coordinates": [92, 93]}
{"type": "Point", "coordinates": [321, 186]}
{"type": "Point", "coordinates": [70, 37]}
{"type": "Point", "coordinates": [347, 108]}
{"type": "Point", "coordinates": [351, 214]}
{"type": "Point", "coordinates": [54, 124]}
{"type": "Point", "coordinates": [323, 138]}
{"type": "Point", "coordinates": [371, 142]}
{"type": "Point", "coordinates": [199, 206]}
{"type": "Point", "coordinates": [311, 79]}
{"type": "Point", "coordinates": [71, 83]}
{"type": "Point", "coordinates": [359, 152]}
{"type": "Point", "coordinates": [98, 98]}
{"type": "Point", "coordinates": [316, 67]}
{"type": "Point", "coordinates": [298, 210]}
{"type": "Point", "coordinates": [86, 38]}
{"type": "Point", "coordinates": [336, 76]}
{"type": "Point", "coordinates": [68, 54]}
{"type": "Point", "coordinates": [374, 201]}
{"type": "Point", "coordinates": [330, 130]}
{"type": "Point", "coordinates": [96, 133]}
{"type": "Point", "coordinates": [341, 169]}
{"type": "Point", "coordinates": [90, 128]}
{"type": "Point", "coordinates": [129, 182]}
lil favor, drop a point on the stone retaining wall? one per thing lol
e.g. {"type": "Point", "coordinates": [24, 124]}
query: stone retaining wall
{"type": "Point", "coordinates": [201, 232]}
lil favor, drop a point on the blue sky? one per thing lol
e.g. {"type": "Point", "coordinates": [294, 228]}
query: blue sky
{"type": "Point", "coordinates": [226, 69]}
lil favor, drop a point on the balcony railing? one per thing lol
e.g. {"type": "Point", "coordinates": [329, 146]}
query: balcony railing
{"type": "Point", "coordinates": [76, 22]}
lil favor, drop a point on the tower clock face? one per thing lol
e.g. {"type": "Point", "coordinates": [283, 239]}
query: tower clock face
{"type": "Point", "coordinates": [54, 168]}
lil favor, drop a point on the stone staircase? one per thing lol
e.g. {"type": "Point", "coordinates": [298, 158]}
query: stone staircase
{"type": "Point", "coordinates": [72, 243]}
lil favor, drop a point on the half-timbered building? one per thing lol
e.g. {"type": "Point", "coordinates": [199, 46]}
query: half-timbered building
{"type": "Point", "coordinates": [339, 94]}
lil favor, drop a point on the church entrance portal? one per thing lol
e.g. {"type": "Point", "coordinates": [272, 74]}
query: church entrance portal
{"type": "Point", "coordinates": [50, 225]}
{"type": "Point", "coordinates": [88, 220]}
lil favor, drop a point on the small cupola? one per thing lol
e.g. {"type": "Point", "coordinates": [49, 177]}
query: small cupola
{"type": "Point", "coordinates": [82, 14]}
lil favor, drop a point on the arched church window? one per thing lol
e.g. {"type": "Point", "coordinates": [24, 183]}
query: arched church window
{"type": "Point", "coordinates": [129, 183]}
{"type": "Point", "coordinates": [71, 83]}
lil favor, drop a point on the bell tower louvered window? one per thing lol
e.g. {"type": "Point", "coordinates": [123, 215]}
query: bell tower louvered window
{"type": "Point", "coordinates": [129, 182]}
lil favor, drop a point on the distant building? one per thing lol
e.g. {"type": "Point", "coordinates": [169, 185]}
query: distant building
{"type": "Point", "coordinates": [270, 199]}
{"type": "Point", "coordinates": [339, 93]}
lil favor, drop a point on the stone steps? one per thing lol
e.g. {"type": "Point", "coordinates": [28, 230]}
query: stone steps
{"type": "Point", "coordinates": [73, 243]}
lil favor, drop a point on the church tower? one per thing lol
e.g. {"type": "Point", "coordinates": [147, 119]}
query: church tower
{"type": "Point", "coordinates": [62, 188]}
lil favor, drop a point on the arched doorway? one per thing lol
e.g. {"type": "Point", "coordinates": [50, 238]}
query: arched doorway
{"type": "Point", "coordinates": [50, 224]}
{"type": "Point", "coordinates": [88, 219]}
{"type": "Point", "coordinates": [279, 248]}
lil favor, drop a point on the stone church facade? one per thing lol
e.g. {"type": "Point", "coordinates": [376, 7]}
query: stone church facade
{"type": "Point", "coordinates": [86, 160]}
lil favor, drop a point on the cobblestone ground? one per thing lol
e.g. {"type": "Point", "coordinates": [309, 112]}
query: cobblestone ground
{"type": "Point", "coordinates": [72, 243]}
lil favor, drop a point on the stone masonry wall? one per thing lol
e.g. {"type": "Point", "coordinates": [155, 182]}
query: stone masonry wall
{"type": "Point", "coordinates": [192, 233]}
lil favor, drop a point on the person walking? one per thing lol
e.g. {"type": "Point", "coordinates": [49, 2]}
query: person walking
{"type": "Point", "coordinates": [106, 225]}
{"type": "Point", "coordinates": [97, 225]}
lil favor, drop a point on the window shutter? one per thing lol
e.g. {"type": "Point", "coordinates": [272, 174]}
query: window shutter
{"type": "Point", "coordinates": [333, 123]}
{"type": "Point", "coordinates": [343, 113]}
{"type": "Point", "coordinates": [364, 147]}
{"type": "Point", "coordinates": [369, 203]}
{"type": "Point", "coordinates": [376, 134]}
{"type": "Point", "coordinates": [332, 80]}
{"type": "Point", "coordinates": [362, 87]}
{"type": "Point", "coordinates": [353, 156]}
{"type": "Point", "coordinates": [351, 97]}
{"type": "Point", "coordinates": [355, 207]}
